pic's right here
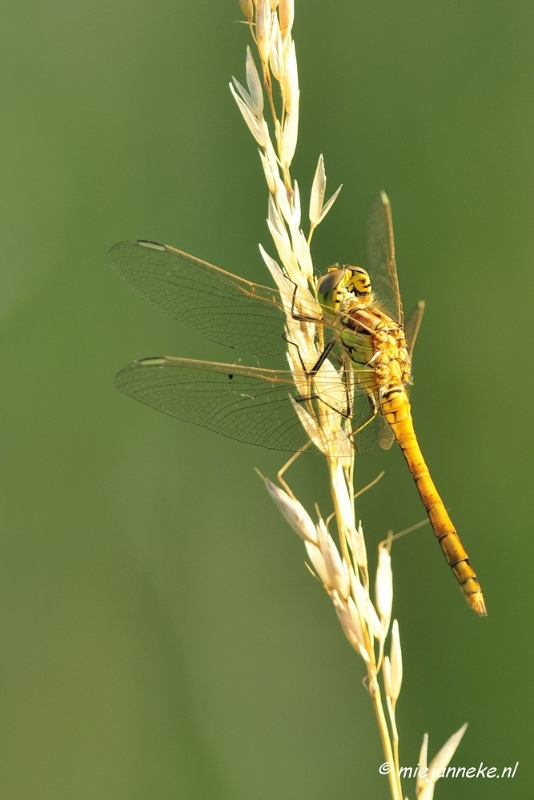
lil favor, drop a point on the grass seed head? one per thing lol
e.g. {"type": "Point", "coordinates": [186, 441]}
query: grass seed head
{"type": "Point", "coordinates": [263, 29]}
{"type": "Point", "coordinates": [396, 662]}
{"type": "Point", "coordinates": [425, 784]}
{"type": "Point", "coordinates": [286, 12]}
{"type": "Point", "coordinates": [384, 584]}
{"type": "Point", "coordinates": [294, 512]}
{"type": "Point", "coordinates": [254, 83]}
{"type": "Point", "coordinates": [247, 7]}
{"type": "Point", "coordinates": [290, 84]}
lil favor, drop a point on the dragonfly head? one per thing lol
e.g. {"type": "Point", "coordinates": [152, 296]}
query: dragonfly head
{"type": "Point", "coordinates": [341, 284]}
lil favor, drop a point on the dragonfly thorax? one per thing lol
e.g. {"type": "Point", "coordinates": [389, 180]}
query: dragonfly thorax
{"type": "Point", "coordinates": [386, 342]}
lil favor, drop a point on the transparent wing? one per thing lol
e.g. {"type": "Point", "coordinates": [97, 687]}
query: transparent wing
{"type": "Point", "coordinates": [413, 323]}
{"type": "Point", "coordinates": [380, 246]}
{"type": "Point", "coordinates": [220, 306]}
{"type": "Point", "coordinates": [376, 432]}
{"type": "Point", "coordinates": [250, 404]}
{"type": "Point", "coordinates": [386, 437]}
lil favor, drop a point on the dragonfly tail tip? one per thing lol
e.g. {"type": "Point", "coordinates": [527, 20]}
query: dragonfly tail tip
{"type": "Point", "coordinates": [476, 601]}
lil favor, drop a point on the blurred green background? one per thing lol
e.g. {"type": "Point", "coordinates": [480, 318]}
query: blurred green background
{"type": "Point", "coordinates": [160, 637]}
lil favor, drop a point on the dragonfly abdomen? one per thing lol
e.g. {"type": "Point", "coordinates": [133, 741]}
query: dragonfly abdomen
{"type": "Point", "coordinates": [395, 407]}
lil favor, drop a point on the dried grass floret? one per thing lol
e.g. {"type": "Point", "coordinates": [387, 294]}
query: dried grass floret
{"type": "Point", "coordinates": [341, 567]}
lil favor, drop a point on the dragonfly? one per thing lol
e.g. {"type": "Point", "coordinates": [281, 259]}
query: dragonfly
{"type": "Point", "coordinates": [353, 393]}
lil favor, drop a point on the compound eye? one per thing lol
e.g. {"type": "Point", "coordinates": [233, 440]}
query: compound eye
{"type": "Point", "coordinates": [328, 288]}
{"type": "Point", "coordinates": [359, 281]}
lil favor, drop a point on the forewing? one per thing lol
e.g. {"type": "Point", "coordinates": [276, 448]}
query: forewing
{"type": "Point", "coordinates": [220, 306]}
{"type": "Point", "coordinates": [245, 403]}
{"type": "Point", "coordinates": [413, 323]}
{"type": "Point", "coordinates": [380, 245]}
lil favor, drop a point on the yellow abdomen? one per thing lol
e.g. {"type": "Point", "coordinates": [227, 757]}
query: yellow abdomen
{"type": "Point", "coordinates": [395, 407]}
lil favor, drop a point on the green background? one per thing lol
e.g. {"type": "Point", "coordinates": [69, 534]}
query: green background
{"type": "Point", "coordinates": [160, 637]}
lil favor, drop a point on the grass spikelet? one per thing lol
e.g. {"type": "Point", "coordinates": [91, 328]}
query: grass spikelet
{"type": "Point", "coordinates": [341, 566]}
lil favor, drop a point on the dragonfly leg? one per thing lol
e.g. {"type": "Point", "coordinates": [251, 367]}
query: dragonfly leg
{"type": "Point", "coordinates": [297, 316]}
{"type": "Point", "coordinates": [345, 411]}
{"type": "Point", "coordinates": [309, 398]}
{"type": "Point", "coordinates": [317, 321]}
{"type": "Point", "coordinates": [370, 418]}
{"type": "Point", "coordinates": [320, 361]}
{"type": "Point", "coordinates": [322, 358]}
